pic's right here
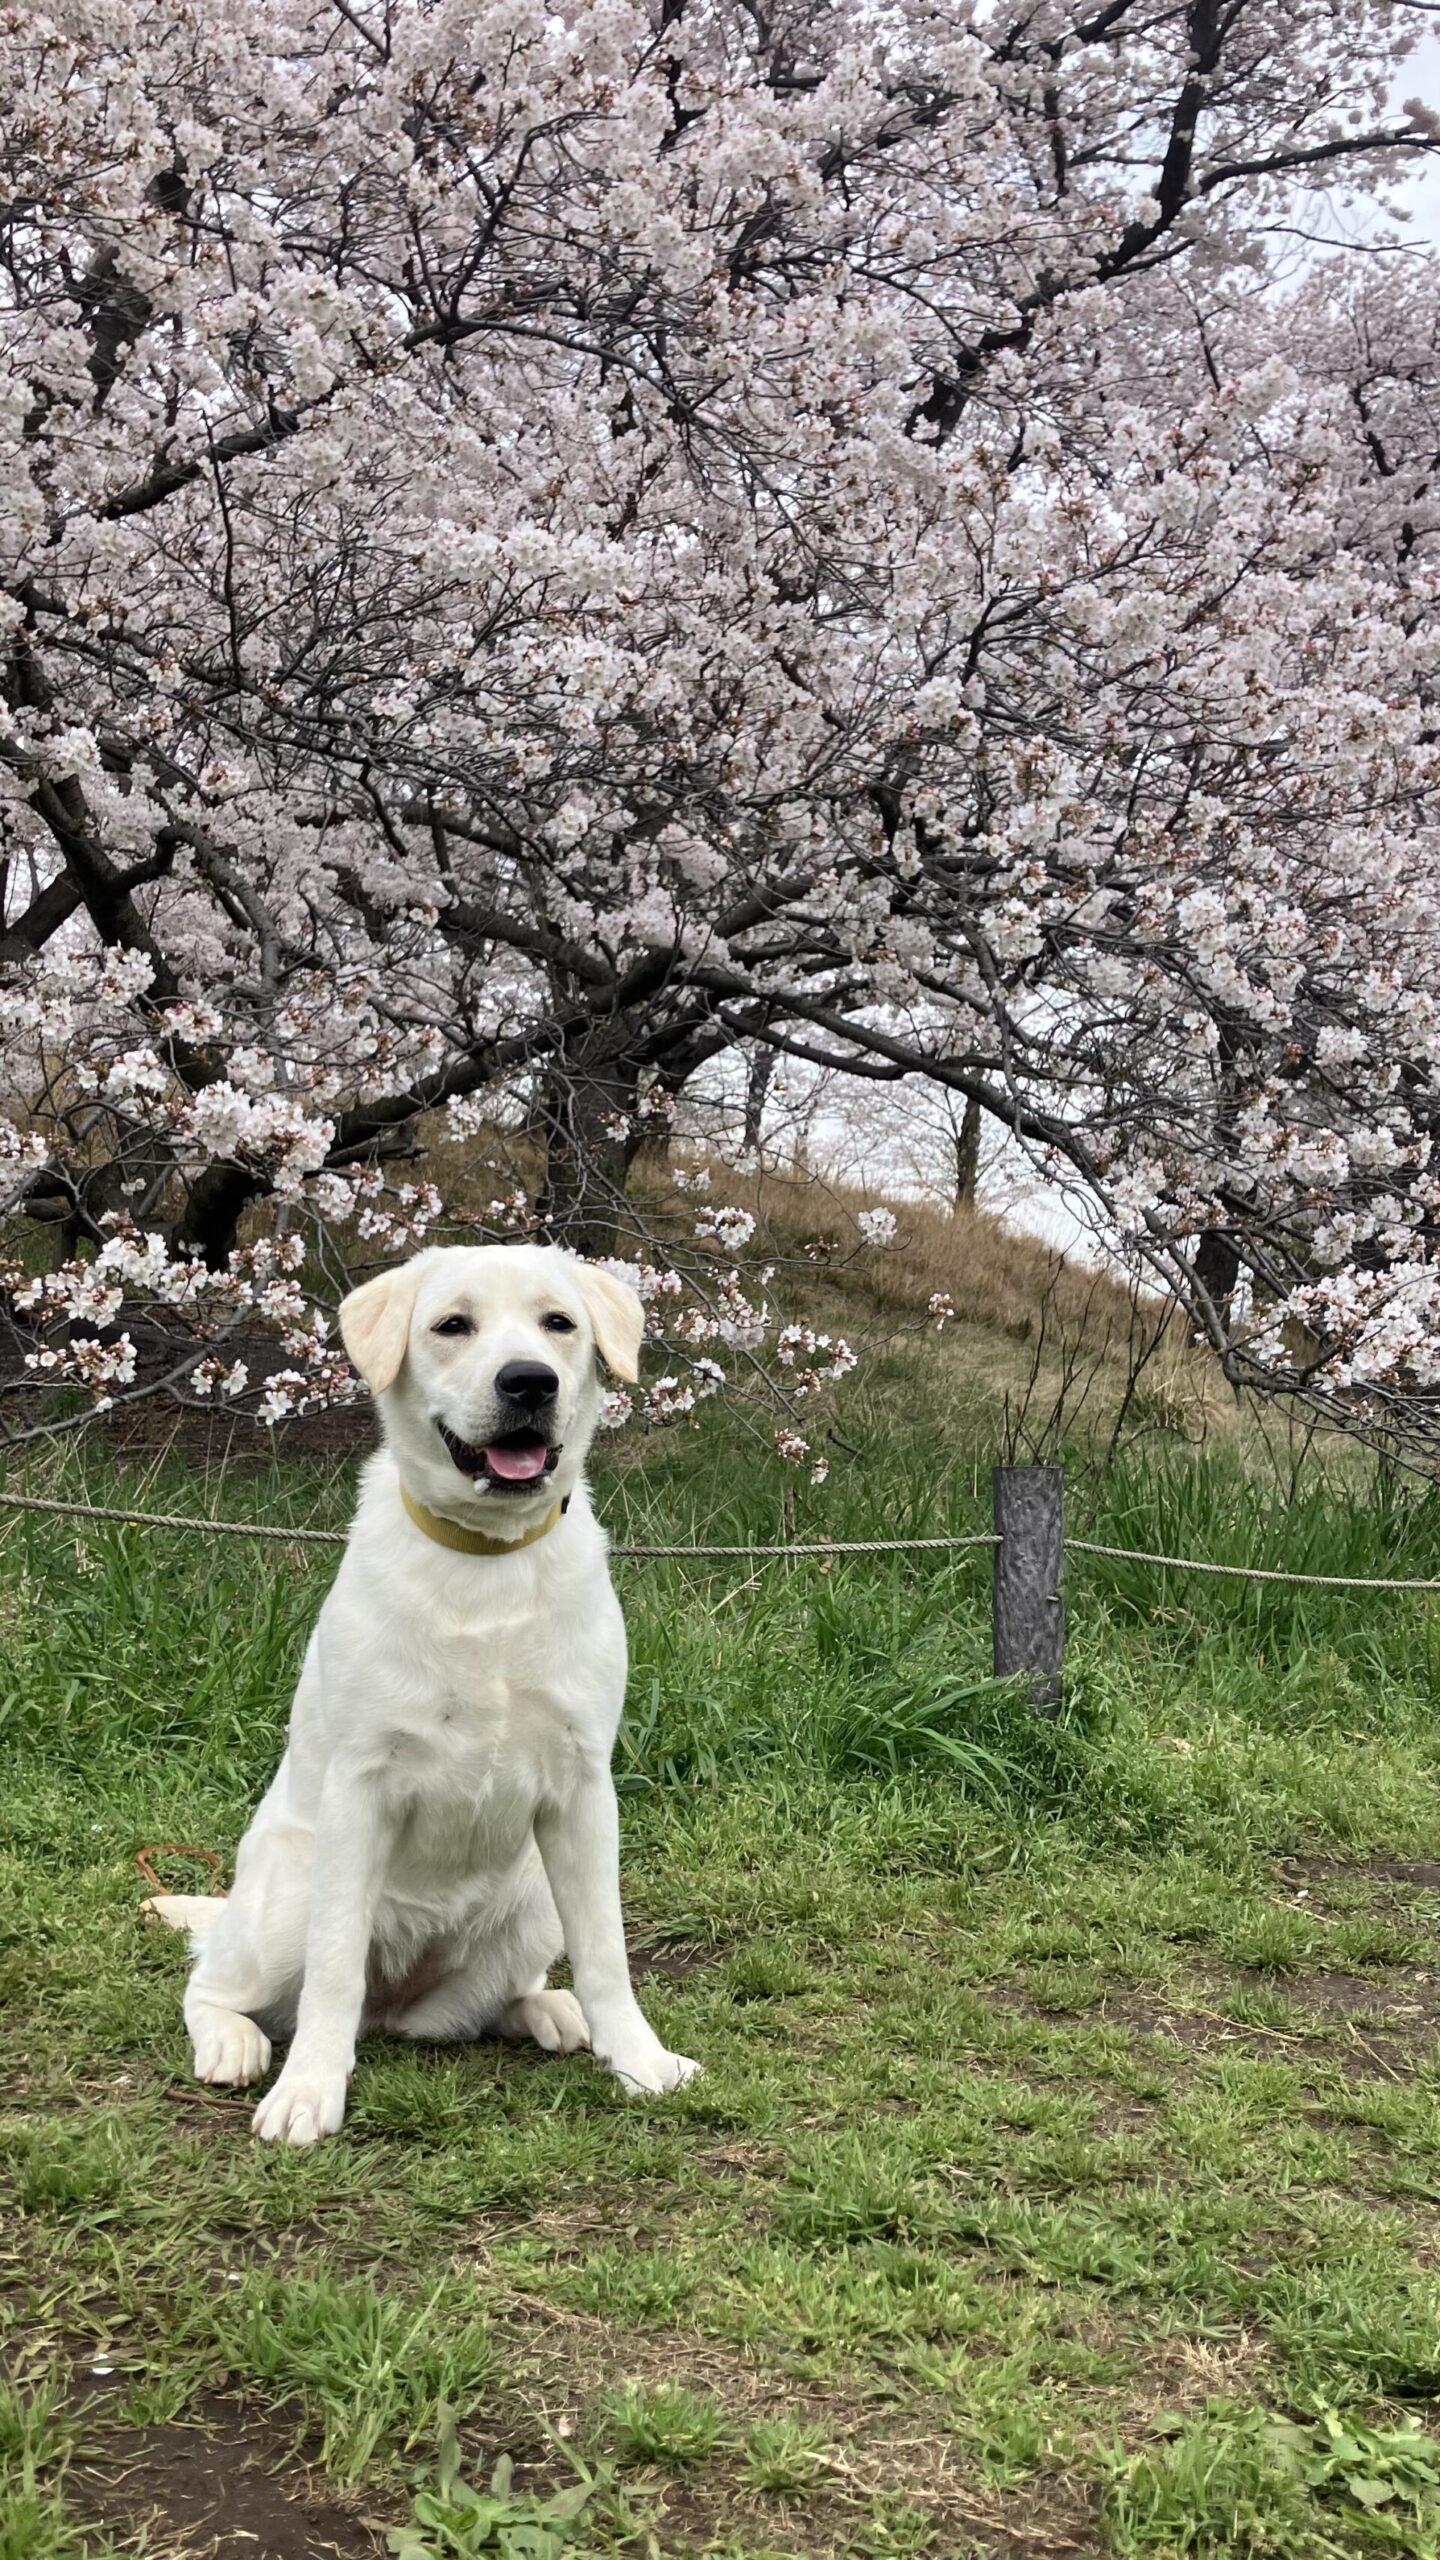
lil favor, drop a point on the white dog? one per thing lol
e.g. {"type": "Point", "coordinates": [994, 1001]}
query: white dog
{"type": "Point", "coordinates": [443, 1822]}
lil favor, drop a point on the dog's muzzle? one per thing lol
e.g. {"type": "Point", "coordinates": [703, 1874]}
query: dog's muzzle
{"type": "Point", "coordinates": [514, 1461]}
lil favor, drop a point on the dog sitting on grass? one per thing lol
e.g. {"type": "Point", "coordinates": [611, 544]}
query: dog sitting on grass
{"type": "Point", "coordinates": [443, 1823]}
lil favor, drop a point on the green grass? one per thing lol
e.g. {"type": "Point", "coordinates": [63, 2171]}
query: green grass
{"type": "Point", "coordinates": [1066, 2167]}
{"type": "Point", "coordinates": [374, 2369]}
{"type": "Point", "coordinates": [669, 2425]}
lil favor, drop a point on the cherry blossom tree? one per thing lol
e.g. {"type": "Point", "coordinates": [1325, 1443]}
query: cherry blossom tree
{"type": "Point", "coordinates": [542, 543]}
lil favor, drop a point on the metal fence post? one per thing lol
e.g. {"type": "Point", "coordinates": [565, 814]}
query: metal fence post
{"type": "Point", "coordinates": [1029, 1567]}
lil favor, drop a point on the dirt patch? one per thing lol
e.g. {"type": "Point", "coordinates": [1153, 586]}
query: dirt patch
{"type": "Point", "coordinates": [742, 2160]}
{"type": "Point", "coordinates": [1374, 2029]}
{"type": "Point", "coordinates": [673, 1963]}
{"type": "Point", "coordinates": [919, 2476]}
{"type": "Point", "coordinates": [163, 1425]}
{"type": "Point", "coordinates": [876, 2456]}
{"type": "Point", "coordinates": [1372, 2026]}
{"type": "Point", "coordinates": [1422, 1873]}
{"type": "Point", "coordinates": [226, 2488]}
{"type": "Point", "coordinates": [1395, 2002]}
{"type": "Point", "coordinates": [1182, 2373]}
{"type": "Point", "coordinates": [1400, 1891]}
{"type": "Point", "coordinates": [208, 2117]}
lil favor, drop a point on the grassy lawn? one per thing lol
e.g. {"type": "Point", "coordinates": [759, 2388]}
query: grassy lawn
{"type": "Point", "coordinates": [1066, 2167]}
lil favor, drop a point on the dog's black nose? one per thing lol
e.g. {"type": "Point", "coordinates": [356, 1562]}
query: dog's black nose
{"type": "Point", "coordinates": [527, 1382]}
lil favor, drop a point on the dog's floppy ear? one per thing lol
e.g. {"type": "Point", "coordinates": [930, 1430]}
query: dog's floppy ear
{"type": "Point", "coordinates": [617, 1318]}
{"type": "Point", "coordinates": [375, 1324]}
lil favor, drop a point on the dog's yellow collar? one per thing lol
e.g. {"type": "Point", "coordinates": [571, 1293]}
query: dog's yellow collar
{"type": "Point", "coordinates": [474, 1542]}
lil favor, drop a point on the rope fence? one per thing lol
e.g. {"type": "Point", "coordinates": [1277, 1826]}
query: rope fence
{"type": "Point", "coordinates": [1255, 1572]}
{"type": "Point", "coordinates": [1028, 1545]}
{"type": "Point", "coordinates": [172, 1520]}
{"type": "Point", "coordinates": [283, 1536]}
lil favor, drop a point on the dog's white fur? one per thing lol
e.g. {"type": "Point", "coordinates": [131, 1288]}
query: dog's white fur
{"type": "Point", "coordinates": [443, 1822]}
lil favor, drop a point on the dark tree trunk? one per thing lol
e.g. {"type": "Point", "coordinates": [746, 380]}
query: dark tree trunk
{"type": "Point", "coordinates": [967, 1155]}
{"type": "Point", "coordinates": [649, 1138]}
{"type": "Point", "coordinates": [759, 1071]}
{"type": "Point", "coordinates": [588, 1111]}
{"type": "Point", "coordinates": [1217, 1266]}
{"type": "Point", "coordinates": [675, 1063]}
{"type": "Point", "coordinates": [1217, 1258]}
{"type": "Point", "coordinates": [209, 1225]}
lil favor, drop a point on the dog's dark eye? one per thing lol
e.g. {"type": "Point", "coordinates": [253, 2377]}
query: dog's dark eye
{"type": "Point", "coordinates": [557, 1323]}
{"type": "Point", "coordinates": [453, 1324]}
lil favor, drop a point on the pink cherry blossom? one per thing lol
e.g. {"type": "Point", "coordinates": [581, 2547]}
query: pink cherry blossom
{"type": "Point", "coordinates": [544, 548]}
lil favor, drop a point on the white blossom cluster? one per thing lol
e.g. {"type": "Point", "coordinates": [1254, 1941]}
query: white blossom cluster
{"type": "Point", "coordinates": [814, 1360]}
{"type": "Point", "coordinates": [730, 1227]}
{"type": "Point", "coordinates": [877, 1226]}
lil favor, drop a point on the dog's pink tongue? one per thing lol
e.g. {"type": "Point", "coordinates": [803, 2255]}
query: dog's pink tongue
{"type": "Point", "coordinates": [517, 1466]}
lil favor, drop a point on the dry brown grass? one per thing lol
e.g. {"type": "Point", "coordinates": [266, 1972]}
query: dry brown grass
{"type": "Point", "coordinates": [1028, 1317]}
{"type": "Point", "coordinates": [995, 1274]}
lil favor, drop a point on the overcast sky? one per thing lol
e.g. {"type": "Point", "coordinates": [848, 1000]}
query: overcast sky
{"type": "Point", "coordinates": [1422, 193]}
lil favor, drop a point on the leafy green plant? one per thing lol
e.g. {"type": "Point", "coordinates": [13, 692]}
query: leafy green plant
{"type": "Point", "coordinates": [1375, 2466]}
{"type": "Point", "coordinates": [452, 2521]}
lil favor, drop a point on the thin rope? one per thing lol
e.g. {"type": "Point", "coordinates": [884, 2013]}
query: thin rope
{"type": "Point", "coordinates": [273, 1530]}
{"type": "Point", "coordinates": [827, 1547]}
{"type": "Point", "coordinates": [175, 1520]}
{"type": "Point", "coordinates": [336, 1537]}
{"type": "Point", "coordinates": [1250, 1572]}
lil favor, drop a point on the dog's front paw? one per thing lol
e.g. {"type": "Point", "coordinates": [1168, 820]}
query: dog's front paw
{"type": "Point", "coordinates": [646, 2070]}
{"type": "Point", "coordinates": [552, 2019]}
{"type": "Point", "coordinates": [302, 2107]}
{"type": "Point", "coordinates": [229, 2049]}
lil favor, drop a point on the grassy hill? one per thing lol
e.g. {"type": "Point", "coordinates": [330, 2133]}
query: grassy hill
{"type": "Point", "coordinates": [1063, 2176]}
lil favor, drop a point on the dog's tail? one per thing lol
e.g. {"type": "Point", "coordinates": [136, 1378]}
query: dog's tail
{"type": "Point", "coordinates": [195, 1912]}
